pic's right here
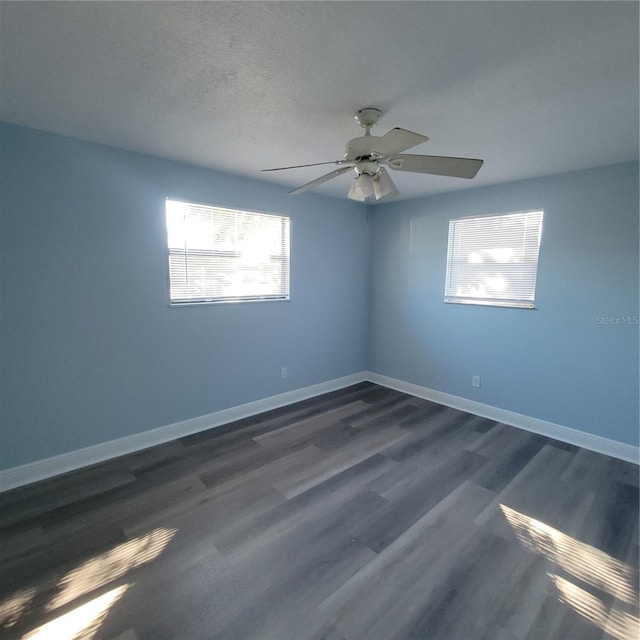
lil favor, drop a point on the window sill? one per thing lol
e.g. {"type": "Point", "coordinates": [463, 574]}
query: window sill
{"type": "Point", "coordinates": [485, 303]}
{"type": "Point", "coordinates": [206, 303]}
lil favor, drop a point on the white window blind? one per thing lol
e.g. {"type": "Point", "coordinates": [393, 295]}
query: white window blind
{"type": "Point", "coordinates": [493, 260]}
{"type": "Point", "coordinates": [222, 255]}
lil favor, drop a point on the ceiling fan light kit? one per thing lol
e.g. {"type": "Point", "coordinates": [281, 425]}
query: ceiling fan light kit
{"type": "Point", "coordinates": [368, 155]}
{"type": "Point", "coordinates": [362, 188]}
{"type": "Point", "coordinates": [383, 185]}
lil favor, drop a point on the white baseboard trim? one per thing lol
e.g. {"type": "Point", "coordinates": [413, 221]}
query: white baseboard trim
{"type": "Point", "coordinates": [56, 465]}
{"type": "Point", "coordinates": [612, 448]}
{"type": "Point", "coordinates": [49, 467]}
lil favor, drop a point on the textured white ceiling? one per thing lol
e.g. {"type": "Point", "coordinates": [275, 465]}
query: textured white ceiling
{"type": "Point", "coordinates": [533, 88]}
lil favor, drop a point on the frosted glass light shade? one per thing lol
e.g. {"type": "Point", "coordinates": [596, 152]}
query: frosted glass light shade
{"type": "Point", "coordinates": [383, 185]}
{"type": "Point", "coordinates": [364, 185]}
{"type": "Point", "coordinates": [354, 193]}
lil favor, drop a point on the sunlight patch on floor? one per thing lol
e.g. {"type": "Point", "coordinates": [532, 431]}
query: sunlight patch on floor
{"type": "Point", "coordinates": [589, 565]}
{"type": "Point", "coordinates": [111, 565]}
{"type": "Point", "coordinates": [11, 610]}
{"type": "Point", "coordinates": [620, 624]}
{"type": "Point", "coordinates": [82, 623]}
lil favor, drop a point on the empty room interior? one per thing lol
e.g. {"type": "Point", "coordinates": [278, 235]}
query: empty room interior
{"type": "Point", "coordinates": [319, 320]}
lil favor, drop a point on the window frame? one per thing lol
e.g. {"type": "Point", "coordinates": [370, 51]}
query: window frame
{"type": "Point", "coordinates": [229, 299]}
{"type": "Point", "coordinates": [486, 301]}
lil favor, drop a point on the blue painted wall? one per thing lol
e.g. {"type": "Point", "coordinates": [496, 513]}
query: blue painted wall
{"type": "Point", "coordinates": [574, 360]}
{"type": "Point", "coordinates": [90, 350]}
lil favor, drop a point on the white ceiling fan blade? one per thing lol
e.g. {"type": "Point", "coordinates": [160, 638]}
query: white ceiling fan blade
{"type": "Point", "coordinates": [300, 166]}
{"type": "Point", "coordinates": [436, 165]}
{"type": "Point", "coordinates": [397, 140]}
{"type": "Point", "coordinates": [320, 180]}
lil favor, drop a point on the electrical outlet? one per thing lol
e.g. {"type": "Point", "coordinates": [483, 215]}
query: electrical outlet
{"type": "Point", "coordinates": [283, 372]}
{"type": "Point", "coordinates": [475, 381]}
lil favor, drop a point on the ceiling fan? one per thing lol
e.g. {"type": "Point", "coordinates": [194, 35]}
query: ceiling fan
{"type": "Point", "coordinates": [368, 155]}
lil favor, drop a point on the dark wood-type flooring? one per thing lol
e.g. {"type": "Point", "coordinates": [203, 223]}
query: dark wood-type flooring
{"type": "Point", "coordinates": [363, 513]}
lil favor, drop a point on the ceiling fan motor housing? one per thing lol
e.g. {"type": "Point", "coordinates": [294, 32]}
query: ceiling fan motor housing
{"type": "Point", "coordinates": [370, 168]}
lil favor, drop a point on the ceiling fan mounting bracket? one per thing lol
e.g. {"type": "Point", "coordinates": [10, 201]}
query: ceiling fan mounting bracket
{"type": "Point", "coordinates": [368, 116]}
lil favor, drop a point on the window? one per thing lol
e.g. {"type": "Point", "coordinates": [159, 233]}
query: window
{"type": "Point", "coordinates": [493, 260]}
{"type": "Point", "coordinates": [224, 255]}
